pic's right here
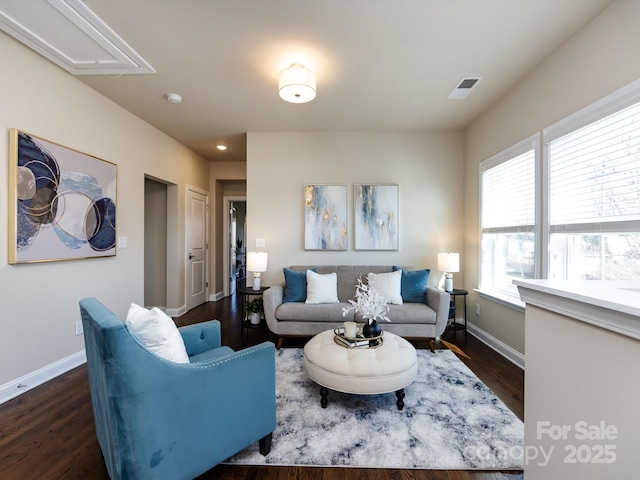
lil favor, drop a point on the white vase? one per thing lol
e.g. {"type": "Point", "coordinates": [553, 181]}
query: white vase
{"type": "Point", "coordinates": [254, 318]}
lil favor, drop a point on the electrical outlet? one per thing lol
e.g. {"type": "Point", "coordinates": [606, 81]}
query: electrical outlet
{"type": "Point", "coordinates": [477, 309]}
{"type": "Point", "coordinates": [79, 330]}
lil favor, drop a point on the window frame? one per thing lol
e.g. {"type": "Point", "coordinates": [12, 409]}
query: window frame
{"type": "Point", "coordinates": [531, 143]}
{"type": "Point", "coordinates": [539, 142]}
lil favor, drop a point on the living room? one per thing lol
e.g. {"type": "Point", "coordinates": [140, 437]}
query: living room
{"type": "Point", "coordinates": [437, 173]}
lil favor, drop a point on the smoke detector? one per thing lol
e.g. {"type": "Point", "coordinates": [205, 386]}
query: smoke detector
{"type": "Point", "coordinates": [174, 98]}
{"type": "Point", "coordinates": [464, 87]}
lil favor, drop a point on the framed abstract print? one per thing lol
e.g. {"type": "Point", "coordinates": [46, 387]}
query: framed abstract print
{"type": "Point", "coordinates": [62, 203]}
{"type": "Point", "coordinates": [375, 217]}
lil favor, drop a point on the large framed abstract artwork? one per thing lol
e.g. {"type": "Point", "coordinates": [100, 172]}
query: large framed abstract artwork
{"type": "Point", "coordinates": [325, 217]}
{"type": "Point", "coordinates": [376, 217]}
{"type": "Point", "coordinates": [62, 202]}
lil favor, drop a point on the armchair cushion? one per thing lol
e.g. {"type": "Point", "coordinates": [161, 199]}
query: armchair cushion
{"type": "Point", "coordinates": [157, 332]}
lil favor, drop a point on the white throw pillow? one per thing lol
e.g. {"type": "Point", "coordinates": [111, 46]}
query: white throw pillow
{"type": "Point", "coordinates": [388, 285]}
{"type": "Point", "coordinates": [158, 332]}
{"type": "Point", "coordinates": [322, 288]}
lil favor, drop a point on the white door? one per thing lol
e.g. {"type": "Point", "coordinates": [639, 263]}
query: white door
{"type": "Point", "coordinates": [196, 246]}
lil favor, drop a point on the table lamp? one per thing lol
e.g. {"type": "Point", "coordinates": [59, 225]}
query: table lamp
{"type": "Point", "coordinates": [256, 263]}
{"type": "Point", "coordinates": [448, 263]}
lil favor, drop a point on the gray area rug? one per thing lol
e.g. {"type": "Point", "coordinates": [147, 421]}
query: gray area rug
{"type": "Point", "coordinates": [450, 421]}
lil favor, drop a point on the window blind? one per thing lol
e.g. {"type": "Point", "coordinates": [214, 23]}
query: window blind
{"type": "Point", "coordinates": [508, 195]}
{"type": "Point", "coordinates": [594, 172]}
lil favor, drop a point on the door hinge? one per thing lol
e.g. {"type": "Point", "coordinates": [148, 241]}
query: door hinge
{"type": "Point", "coordinates": [206, 284]}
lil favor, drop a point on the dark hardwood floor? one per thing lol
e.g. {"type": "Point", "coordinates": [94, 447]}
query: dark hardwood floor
{"type": "Point", "coordinates": [48, 433]}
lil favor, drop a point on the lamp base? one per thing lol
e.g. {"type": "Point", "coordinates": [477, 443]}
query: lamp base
{"type": "Point", "coordinates": [256, 281]}
{"type": "Point", "coordinates": [448, 282]}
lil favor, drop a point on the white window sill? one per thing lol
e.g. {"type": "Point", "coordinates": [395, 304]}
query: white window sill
{"type": "Point", "coordinates": [502, 299]}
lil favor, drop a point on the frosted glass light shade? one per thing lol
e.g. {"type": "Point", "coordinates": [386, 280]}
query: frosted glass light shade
{"type": "Point", "coordinates": [297, 84]}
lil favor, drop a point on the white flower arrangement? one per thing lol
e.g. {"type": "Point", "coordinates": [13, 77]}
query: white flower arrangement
{"type": "Point", "coordinates": [368, 303]}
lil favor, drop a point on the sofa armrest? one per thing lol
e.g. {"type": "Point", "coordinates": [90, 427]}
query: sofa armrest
{"type": "Point", "coordinates": [201, 337]}
{"type": "Point", "coordinates": [439, 301]}
{"type": "Point", "coordinates": [272, 299]}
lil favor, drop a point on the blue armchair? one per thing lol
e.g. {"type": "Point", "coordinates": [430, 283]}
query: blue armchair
{"type": "Point", "coordinates": [157, 419]}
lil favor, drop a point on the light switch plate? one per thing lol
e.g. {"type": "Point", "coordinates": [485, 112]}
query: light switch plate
{"type": "Point", "coordinates": [260, 243]}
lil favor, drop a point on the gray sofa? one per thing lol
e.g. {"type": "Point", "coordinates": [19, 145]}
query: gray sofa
{"type": "Point", "coordinates": [298, 319]}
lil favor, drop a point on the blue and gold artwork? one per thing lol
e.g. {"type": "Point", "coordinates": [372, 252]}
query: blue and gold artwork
{"type": "Point", "coordinates": [65, 202]}
{"type": "Point", "coordinates": [325, 217]}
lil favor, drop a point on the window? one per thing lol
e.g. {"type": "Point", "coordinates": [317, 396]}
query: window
{"type": "Point", "coordinates": [507, 186]}
{"type": "Point", "coordinates": [594, 198]}
{"type": "Point", "coordinates": [583, 222]}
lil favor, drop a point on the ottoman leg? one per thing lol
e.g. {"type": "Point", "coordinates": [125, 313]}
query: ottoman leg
{"type": "Point", "coordinates": [400, 397]}
{"type": "Point", "coordinates": [324, 393]}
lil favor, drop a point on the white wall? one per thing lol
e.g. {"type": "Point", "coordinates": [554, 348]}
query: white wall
{"type": "Point", "coordinates": [580, 376]}
{"type": "Point", "coordinates": [598, 60]}
{"type": "Point", "coordinates": [427, 166]}
{"type": "Point", "coordinates": [39, 302]}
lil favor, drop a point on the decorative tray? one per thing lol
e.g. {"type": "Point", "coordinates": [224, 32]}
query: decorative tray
{"type": "Point", "coordinates": [358, 342]}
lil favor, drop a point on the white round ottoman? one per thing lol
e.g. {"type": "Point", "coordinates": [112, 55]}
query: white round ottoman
{"type": "Point", "coordinates": [363, 371]}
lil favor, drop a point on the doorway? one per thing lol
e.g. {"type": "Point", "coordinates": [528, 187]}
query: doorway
{"type": "Point", "coordinates": [235, 247]}
{"type": "Point", "coordinates": [155, 244]}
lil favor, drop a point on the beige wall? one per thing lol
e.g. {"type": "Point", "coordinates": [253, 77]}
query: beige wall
{"type": "Point", "coordinates": [427, 166]}
{"type": "Point", "coordinates": [40, 301]}
{"type": "Point", "coordinates": [598, 60]}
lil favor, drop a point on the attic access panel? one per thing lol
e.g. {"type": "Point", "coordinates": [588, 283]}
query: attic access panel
{"type": "Point", "coordinates": [69, 34]}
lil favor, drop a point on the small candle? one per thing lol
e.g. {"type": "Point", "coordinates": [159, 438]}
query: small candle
{"type": "Point", "coordinates": [350, 329]}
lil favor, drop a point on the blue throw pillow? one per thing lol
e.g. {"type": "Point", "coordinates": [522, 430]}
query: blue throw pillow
{"type": "Point", "coordinates": [413, 285]}
{"type": "Point", "coordinates": [295, 289]}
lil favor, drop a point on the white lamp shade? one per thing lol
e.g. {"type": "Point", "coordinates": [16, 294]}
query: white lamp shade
{"type": "Point", "coordinates": [297, 84]}
{"type": "Point", "coordinates": [449, 262]}
{"type": "Point", "coordinates": [257, 261]}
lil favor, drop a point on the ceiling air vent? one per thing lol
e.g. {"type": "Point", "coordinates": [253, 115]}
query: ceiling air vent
{"type": "Point", "coordinates": [464, 87]}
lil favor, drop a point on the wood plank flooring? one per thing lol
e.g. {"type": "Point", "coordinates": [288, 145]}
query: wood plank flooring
{"type": "Point", "coordinates": [48, 433]}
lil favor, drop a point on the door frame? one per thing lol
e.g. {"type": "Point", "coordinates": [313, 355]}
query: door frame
{"type": "Point", "coordinates": [186, 238]}
{"type": "Point", "coordinates": [226, 201]}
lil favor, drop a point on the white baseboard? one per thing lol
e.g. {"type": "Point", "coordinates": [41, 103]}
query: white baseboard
{"type": "Point", "coordinates": [502, 348]}
{"type": "Point", "coordinates": [31, 380]}
{"type": "Point", "coordinates": [216, 296]}
{"type": "Point", "coordinates": [176, 312]}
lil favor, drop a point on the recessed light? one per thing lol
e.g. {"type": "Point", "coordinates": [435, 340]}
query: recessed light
{"type": "Point", "coordinates": [174, 98]}
{"type": "Point", "coordinates": [221, 147]}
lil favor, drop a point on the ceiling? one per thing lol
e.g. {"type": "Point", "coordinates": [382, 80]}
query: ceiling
{"type": "Point", "coordinates": [380, 65]}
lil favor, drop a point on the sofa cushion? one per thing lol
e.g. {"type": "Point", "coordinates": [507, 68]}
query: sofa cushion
{"type": "Point", "coordinates": [295, 289]}
{"type": "Point", "coordinates": [410, 313]}
{"type": "Point", "coordinates": [298, 311]}
{"type": "Point", "coordinates": [321, 288]}
{"type": "Point", "coordinates": [157, 332]}
{"type": "Point", "coordinates": [387, 285]}
{"type": "Point", "coordinates": [414, 285]}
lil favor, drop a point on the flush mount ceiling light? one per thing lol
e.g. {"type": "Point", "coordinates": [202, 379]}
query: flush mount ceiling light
{"type": "Point", "coordinates": [222, 148]}
{"type": "Point", "coordinates": [297, 84]}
